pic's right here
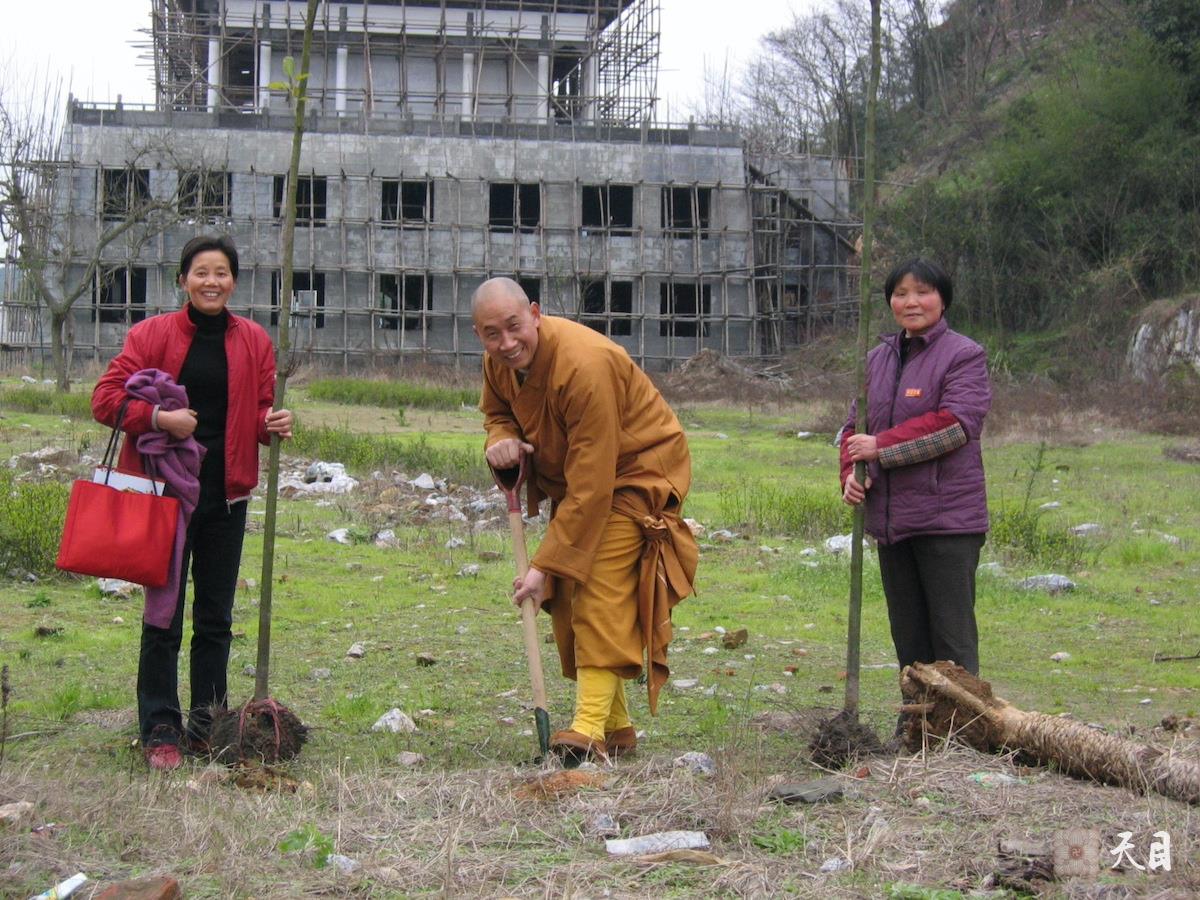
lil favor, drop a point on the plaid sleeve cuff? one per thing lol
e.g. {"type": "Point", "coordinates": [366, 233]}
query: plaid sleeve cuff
{"type": "Point", "coordinates": [928, 446]}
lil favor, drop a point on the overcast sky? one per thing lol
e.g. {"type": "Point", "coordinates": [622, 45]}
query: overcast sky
{"type": "Point", "coordinates": [90, 44]}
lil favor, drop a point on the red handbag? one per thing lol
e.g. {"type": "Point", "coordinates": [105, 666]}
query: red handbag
{"type": "Point", "coordinates": [114, 533]}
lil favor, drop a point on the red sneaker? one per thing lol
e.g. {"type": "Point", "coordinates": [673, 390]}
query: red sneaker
{"type": "Point", "coordinates": [163, 757]}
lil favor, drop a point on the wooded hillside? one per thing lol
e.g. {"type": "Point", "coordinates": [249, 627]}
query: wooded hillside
{"type": "Point", "coordinates": [1047, 151]}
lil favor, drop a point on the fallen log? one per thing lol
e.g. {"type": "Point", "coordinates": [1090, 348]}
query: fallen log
{"type": "Point", "coordinates": [957, 705]}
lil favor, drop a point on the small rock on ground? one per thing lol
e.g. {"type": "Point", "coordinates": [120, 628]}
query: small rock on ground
{"type": "Point", "coordinates": [394, 721]}
{"type": "Point", "coordinates": [697, 763]}
{"type": "Point", "coordinates": [1052, 584]}
{"type": "Point", "coordinates": [809, 791]}
{"type": "Point", "coordinates": [11, 813]}
{"type": "Point", "coordinates": [344, 864]}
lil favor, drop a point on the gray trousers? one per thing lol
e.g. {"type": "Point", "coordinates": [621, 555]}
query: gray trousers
{"type": "Point", "coordinates": [929, 582]}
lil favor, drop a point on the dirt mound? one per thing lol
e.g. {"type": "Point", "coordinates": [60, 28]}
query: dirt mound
{"type": "Point", "coordinates": [710, 376]}
{"type": "Point", "coordinates": [842, 739]}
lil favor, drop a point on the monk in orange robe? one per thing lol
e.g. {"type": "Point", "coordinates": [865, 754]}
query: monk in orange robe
{"type": "Point", "coordinates": [613, 459]}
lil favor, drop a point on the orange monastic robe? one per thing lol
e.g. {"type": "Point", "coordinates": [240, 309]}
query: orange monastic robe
{"type": "Point", "coordinates": [604, 440]}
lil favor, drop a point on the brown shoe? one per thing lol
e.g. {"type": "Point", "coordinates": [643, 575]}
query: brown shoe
{"type": "Point", "coordinates": [574, 748]}
{"type": "Point", "coordinates": [622, 742]}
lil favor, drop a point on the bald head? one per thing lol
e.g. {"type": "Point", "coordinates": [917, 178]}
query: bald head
{"type": "Point", "coordinates": [499, 288]}
{"type": "Point", "coordinates": [506, 322]}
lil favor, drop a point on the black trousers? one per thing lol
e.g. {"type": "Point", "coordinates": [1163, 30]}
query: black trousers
{"type": "Point", "coordinates": [214, 551]}
{"type": "Point", "coordinates": [929, 582]}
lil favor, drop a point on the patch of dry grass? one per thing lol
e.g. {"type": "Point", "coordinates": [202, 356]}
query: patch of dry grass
{"type": "Point", "coordinates": [918, 819]}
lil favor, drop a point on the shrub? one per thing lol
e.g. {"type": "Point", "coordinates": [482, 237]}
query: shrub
{"type": "Point", "coordinates": [771, 508]}
{"type": "Point", "coordinates": [31, 521]}
{"type": "Point", "coordinates": [391, 394]}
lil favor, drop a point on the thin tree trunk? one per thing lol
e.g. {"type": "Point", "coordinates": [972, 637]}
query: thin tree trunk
{"type": "Point", "coordinates": [58, 353]}
{"type": "Point", "coordinates": [282, 361]}
{"type": "Point", "coordinates": [854, 626]}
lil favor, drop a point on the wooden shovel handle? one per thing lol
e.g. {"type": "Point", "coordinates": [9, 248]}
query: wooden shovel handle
{"type": "Point", "coordinates": [509, 481]}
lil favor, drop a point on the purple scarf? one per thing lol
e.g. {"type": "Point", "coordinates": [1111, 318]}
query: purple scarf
{"type": "Point", "coordinates": [178, 464]}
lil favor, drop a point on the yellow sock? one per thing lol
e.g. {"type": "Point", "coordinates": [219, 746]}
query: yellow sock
{"type": "Point", "coordinates": [618, 715]}
{"type": "Point", "coordinates": [594, 690]}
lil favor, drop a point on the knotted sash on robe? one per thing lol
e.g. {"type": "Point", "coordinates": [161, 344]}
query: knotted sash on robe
{"type": "Point", "coordinates": [177, 463]}
{"type": "Point", "coordinates": [665, 575]}
{"type": "Point", "coordinates": [666, 570]}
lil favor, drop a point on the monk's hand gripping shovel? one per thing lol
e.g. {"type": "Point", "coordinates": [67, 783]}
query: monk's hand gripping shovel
{"type": "Point", "coordinates": [509, 481]}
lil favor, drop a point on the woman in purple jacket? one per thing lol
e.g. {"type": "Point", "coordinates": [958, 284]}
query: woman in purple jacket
{"type": "Point", "coordinates": [927, 395]}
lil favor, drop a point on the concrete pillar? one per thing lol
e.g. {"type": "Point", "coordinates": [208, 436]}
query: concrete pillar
{"type": "Point", "coordinates": [590, 106]}
{"type": "Point", "coordinates": [468, 86]}
{"type": "Point", "coordinates": [214, 72]}
{"type": "Point", "coordinates": [543, 87]}
{"type": "Point", "coordinates": [339, 89]}
{"type": "Point", "coordinates": [264, 76]}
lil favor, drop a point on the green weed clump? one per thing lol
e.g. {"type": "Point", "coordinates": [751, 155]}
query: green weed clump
{"type": "Point", "coordinates": [31, 522]}
{"type": "Point", "coordinates": [391, 394]}
{"type": "Point", "coordinates": [309, 843]}
{"type": "Point", "coordinates": [780, 841]}
{"type": "Point", "coordinates": [1020, 531]}
{"type": "Point", "coordinates": [45, 400]}
{"type": "Point", "coordinates": [776, 509]}
{"type": "Point", "coordinates": [1023, 534]}
{"type": "Point", "coordinates": [362, 452]}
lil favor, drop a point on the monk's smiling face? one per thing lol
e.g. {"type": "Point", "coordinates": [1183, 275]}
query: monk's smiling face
{"type": "Point", "coordinates": [506, 323]}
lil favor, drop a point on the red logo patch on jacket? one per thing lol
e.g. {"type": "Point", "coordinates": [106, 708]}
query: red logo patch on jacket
{"type": "Point", "coordinates": [912, 392]}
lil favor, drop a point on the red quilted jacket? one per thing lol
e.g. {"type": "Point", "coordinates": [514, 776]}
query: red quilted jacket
{"type": "Point", "coordinates": [162, 342]}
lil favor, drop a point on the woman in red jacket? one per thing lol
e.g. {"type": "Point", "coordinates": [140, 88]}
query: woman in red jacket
{"type": "Point", "coordinates": [227, 365]}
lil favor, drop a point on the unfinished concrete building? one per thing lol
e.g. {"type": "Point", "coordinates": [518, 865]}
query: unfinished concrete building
{"type": "Point", "coordinates": [447, 142]}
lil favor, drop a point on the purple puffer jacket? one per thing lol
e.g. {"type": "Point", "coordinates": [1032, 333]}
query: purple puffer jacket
{"type": "Point", "coordinates": [946, 495]}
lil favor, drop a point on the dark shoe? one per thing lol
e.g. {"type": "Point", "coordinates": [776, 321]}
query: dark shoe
{"type": "Point", "coordinates": [575, 748]}
{"type": "Point", "coordinates": [163, 757]}
{"type": "Point", "coordinates": [622, 742]}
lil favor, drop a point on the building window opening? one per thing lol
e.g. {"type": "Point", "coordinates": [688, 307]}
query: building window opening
{"type": "Point", "coordinates": [620, 308]}
{"type": "Point", "coordinates": [407, 202]}
{"type": "Point", "coordinates": [686, 211]}
{"type": "Point", "coordinates": [310, 199]}
{"type": "Point", "coordinates": [532, 288]}
{"type": "Point", "coordinates": [119, 295]}
{"type": "Point", "coordinates": [311, 303]}
{"type": "Point", "coordinates": [408, 293]}
{"type": "Point", "coordinates": [240, 84]}
{"type": "Point", "coordinates": [125, 192]}
{"type": "Point", "coordinates": [611, 315]}
{"type": "Point", "coordinates": [566, 80]}
{"type": "Point", "coordinates": [204, 195]}
{"type": "Point", "coordinates": [608, 207]}
{"type": "Point", "coordinates": [682, 315]}
{"type": "Point", "coordinates": [514, 206]}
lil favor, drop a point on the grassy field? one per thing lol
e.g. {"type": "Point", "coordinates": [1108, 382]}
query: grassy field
{"type": "Point", "coordinates": [459, 822]}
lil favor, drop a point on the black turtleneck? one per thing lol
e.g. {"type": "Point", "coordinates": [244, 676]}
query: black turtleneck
{"type": "Point", "coordinates": [205, 374]}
